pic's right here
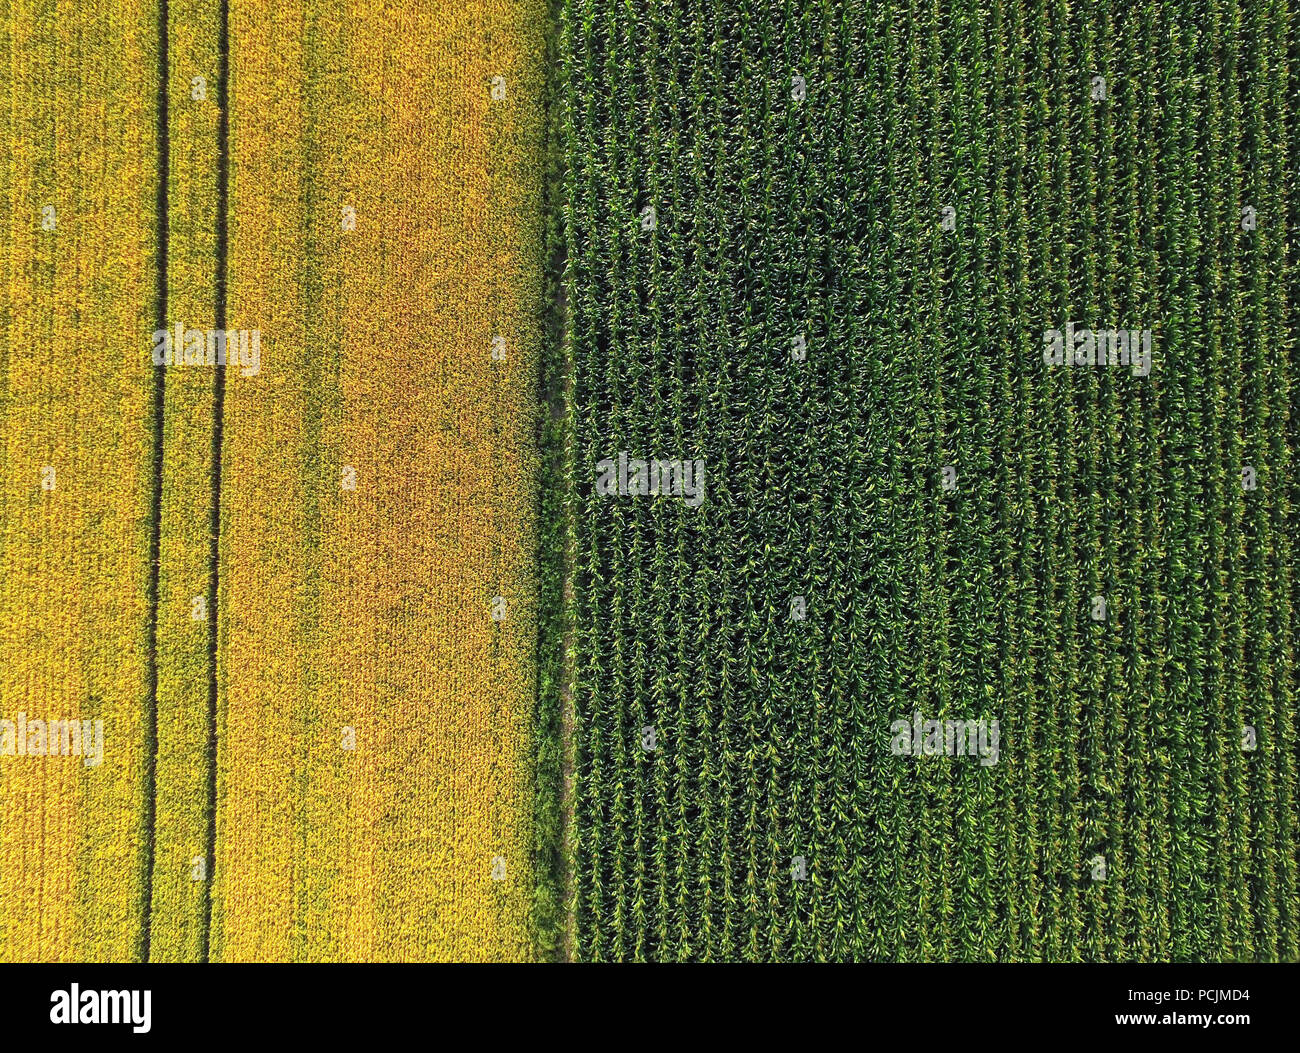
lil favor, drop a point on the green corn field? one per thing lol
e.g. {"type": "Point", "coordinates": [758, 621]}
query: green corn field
{"type": "Point", "coordinates": [823, 248]}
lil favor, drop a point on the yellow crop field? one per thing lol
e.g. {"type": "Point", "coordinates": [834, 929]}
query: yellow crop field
{"type": "Point", "coordinates": [78, 275]}
{"type": "Point", "coordinates": [298, 591]}
{"type": "Point", "coordinates": [377, 630]}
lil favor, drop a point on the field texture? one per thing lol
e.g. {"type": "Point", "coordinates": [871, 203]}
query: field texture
{"type": "Point", "coordinates": [906, 570]}
{"type": "Point", "coordinates": [78, 284]}
{"type": "Point", "coordinates": [378, 484]}
{"type": "Point", "coordinates": [299, 590]}
{"type": "Point", "coordinates": [822, 248]}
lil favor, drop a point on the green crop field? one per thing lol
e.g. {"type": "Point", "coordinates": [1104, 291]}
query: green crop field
{"type": "Point", "coordinates": [876, 265]}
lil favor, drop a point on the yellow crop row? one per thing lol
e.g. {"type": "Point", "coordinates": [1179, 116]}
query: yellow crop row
{"type": "Point", "coordinates": [78, 272]}
{"type": "Point", "coordinates": [181, 775]}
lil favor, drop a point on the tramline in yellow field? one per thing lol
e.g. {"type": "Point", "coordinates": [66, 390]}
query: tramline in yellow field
{"type": "Point", "coordinates": [182, 827]}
